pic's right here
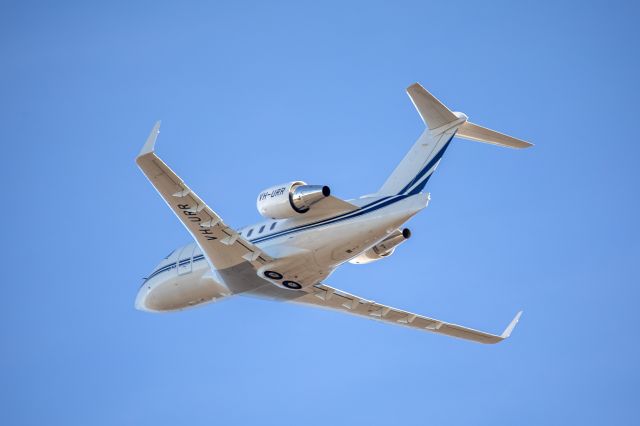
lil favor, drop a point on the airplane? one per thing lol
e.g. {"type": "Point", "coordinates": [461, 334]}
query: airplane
{"type": "Point", "coordinates": [307, 233]}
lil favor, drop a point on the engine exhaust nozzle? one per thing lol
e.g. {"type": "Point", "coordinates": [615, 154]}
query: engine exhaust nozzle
{"type": "Point", "coordinates": [304, 196]}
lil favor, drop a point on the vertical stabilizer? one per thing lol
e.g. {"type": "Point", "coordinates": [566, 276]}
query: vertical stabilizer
{"type": "Point", "coordinates": [415, 169]}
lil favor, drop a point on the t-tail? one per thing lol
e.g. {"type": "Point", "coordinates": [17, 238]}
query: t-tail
{"type": "Point", "coordinates": [415, 169]}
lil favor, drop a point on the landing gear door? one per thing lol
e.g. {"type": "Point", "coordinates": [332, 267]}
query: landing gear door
{"type": "Point", "coordinates": [185, 259]}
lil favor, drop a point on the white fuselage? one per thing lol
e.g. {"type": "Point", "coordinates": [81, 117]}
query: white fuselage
{"type": "Point", "coordinates": [288, 258]}
{"type": "Point", "coordinates": [314, 248]}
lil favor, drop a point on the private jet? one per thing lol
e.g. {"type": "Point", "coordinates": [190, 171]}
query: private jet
{"type": "Point", "coordinates": [307, 233]}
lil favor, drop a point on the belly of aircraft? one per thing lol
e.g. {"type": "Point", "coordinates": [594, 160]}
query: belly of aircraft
{"type": "Point", "coordinates": [342, 241]}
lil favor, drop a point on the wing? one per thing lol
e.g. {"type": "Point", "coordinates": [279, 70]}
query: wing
{"type": "Point", "coordinates": [328, 297]}
{"type": "Point", "coordinates": [329, 207]}
{"type": "Point", "coordinates": [222, 246]}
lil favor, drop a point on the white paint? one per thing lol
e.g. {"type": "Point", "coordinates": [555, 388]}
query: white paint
{"type": "Point", "coordinates": [289, 258]}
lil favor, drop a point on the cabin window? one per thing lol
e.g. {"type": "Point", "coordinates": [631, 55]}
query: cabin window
{"type": "Point", "coordinates": [250, 232]}
{"type": "Point", "coordinates": [261, 229]}
{"type": "Point", "coordinates": [273, 225]}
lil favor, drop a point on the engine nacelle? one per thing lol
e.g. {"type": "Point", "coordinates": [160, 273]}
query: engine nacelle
{"type": "Point", "coordinates": [384, 248]}
{"type": "Point", "coordinates": [289, 199]}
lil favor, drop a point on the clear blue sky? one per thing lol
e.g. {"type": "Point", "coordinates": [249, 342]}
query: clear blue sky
{"type": "Point", "coordinates": [253, 94]}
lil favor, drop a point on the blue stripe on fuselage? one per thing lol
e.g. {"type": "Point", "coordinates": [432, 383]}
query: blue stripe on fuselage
{"type": "Point", "coordinates": [429, 166]}
{"type": "Point", "coordinates": [347, 215]}
{"type": "Point", "coordinates": [426, 168]}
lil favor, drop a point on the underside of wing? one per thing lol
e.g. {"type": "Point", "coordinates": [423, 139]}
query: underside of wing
{"type": "Point", "coordinates": [330, 298]}
{"type": "Point", "coordinates": [222, 245]}
{"type": "Point", "coordinates": [329, 207]}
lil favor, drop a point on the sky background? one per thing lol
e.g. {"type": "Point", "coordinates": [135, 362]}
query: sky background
{"type": "Point", "coordinates": [254, 94]}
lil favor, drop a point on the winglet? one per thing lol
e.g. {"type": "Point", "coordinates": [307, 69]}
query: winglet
{"type": "Point", "coordinates": [150, 144]}
{"type": "Point", "coordinates": [511, 326]}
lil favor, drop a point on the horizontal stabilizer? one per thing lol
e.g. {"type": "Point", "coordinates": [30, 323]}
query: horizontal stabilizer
{"type": "Point", "coordinates": [433, 112]}
{"type": "Point", "coordinates": [481, 134]}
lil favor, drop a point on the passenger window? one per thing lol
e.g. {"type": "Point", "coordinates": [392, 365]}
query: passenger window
{"type": "Point", "coordinates": [261, 229]}
{"type": "Point", "coordinates": [273, 225]}
{"type": "Point", "coordinates": [250, 232]}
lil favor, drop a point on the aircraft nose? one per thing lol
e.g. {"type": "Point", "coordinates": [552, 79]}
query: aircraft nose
{"type": "Point", "coordinates": [141, 297]}
{"type": "Point", "coordinates": [159, 296]}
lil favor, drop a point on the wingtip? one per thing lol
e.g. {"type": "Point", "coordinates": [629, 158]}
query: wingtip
{"type": "Point", "coordinates": [524, 145]}
{"type": "Point", "coordinates": [414, 86]}
{"type": "Point", "coordinates": [507, 332]}
{"type": "Point", "coordinates": [150, 144]}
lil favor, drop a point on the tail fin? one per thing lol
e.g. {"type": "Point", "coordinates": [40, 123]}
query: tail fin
{"type": "Point", "coordinates": [413, 172]}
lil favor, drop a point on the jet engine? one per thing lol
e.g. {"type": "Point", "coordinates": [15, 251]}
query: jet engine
{"type": "Point", "coordinates": [290, 199]}
{"type": "Point", "coordinates": [384, 248]}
